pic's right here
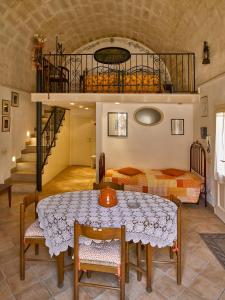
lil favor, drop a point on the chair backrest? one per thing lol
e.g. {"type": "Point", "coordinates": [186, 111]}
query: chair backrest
{"type": "Point", "coordinates": [115, 186]}
{"type": "Point", "coordinates": [99, 234]}
{"type": "Point", "coordinates": [27, 201]}
{"type": "Point", "coordinates": [106, 233]}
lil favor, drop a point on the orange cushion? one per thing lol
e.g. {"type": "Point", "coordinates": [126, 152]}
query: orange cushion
{"type": "Point", "coordinates": [173, 172]}
{"type": "Point", "coordinates": [129, 171]}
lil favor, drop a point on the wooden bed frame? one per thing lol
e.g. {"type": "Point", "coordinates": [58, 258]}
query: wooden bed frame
{"type": "Point", "coordinates": [197, 165]}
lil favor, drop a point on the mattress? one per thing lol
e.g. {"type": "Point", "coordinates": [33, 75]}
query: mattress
{"type": "Point", "coordinates": [186, 187]}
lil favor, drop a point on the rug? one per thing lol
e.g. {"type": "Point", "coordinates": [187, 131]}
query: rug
{"type": "Point", "coordinates": [216, 243]}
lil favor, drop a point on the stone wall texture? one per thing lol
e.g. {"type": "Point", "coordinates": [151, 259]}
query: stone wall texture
{"type": "Point", "coordinates": [162, 25]}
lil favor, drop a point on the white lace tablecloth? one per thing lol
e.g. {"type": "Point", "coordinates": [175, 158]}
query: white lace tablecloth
{"type": "Point", "coordinates": [154, 221]}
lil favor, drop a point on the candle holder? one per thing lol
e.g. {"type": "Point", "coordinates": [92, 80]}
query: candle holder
{"type": "Point", "coordinates": [107, 197]}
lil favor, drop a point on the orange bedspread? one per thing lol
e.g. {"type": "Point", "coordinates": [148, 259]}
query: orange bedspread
{"type": "Point", "coordinates": [186, 187]}
{"type": "Point", "coordinates": [127, 83]}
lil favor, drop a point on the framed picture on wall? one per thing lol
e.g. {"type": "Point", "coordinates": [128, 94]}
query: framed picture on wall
{"type": "Point", "coordinates": [5, 107]}
{"type": "Point", "coordinates": [177, 126]}
{"type": "Point", "coordinates": [117, 124]}
{"type": "Point", "coordinates": [15, 99]}
{"type": "Point", "coordinates": [5, 123]}
{"type": "Point", "coordinates": [204, 106]}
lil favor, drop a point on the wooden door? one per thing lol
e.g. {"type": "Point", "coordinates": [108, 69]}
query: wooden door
{"type": "Point", "coordinates": [82, 141]}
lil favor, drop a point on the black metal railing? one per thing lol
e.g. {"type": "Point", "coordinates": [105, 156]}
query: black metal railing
{"type": "Point", "coordinates": [142, 73]}
{"type": "Point", "coordinates": [49, 132]}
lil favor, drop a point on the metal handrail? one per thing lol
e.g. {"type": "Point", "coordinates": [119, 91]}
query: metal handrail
{"type": "Point", "coordinates": [172, 72]}
{"type": "Point", "coordinates": [49, 132]}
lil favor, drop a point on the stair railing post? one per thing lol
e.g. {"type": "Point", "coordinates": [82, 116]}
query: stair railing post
{"type": "Point", "coordinates": [39, 89]}
{"type": "Point", "coordinates": [39, 146]}
{"type": "Point", "coordinates": [55, 125]}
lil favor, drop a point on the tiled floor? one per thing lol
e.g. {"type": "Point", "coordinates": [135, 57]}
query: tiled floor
{"type": "Point", "coordinates": [202, 278]}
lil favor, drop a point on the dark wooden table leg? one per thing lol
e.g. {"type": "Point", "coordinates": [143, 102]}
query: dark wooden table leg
{"type": "Point", "coordinates": [138, 254]}
{"type": "Point", "coordinates": [70, 251]}
{"type": "Point", "coordinates": [127, 262]}
{"type": "Point", "coordinates": [60, 269]}
{"type": "Point", "coordinates": [10, 195]}
{"type": "Point", "coordinates": [171, 253]}
{"type": "Point", "coordinates": [149, 267]}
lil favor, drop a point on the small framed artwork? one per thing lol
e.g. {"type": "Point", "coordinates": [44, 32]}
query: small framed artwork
{"type": "Point", "coordinates": [5, 123]}
{"type": "Point", "coordinates": [5, 107]}
{"type": "Point", "coordinates": [177, 126]}
{"type": "Point", "coordinates": [204, 106]}
{"type": "Point", "coordinates": [15, 99]}
{"type": "Point", "coordinates": [117, 124]}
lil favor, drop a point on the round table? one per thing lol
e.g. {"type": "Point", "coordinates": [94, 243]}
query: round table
{"type": "Point", "coordinates": [148, 218]}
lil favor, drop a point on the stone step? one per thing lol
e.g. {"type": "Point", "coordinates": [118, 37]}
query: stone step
{"type": "Point", "coordinates": [23, 186]}
{"type": "Point", "coordinates": [45, 118]}
{"type": "Point", "coordinates": [28, 156]}
{"type": "Point", "coordinates": [47, 111]}
{"type": "Point", "coordinates": [29, 149]}
{"type": "Point", "coordinates": [33, 141]}
{"type": "Point", "coordinates": [33, 134]}
{"type": "Point", "coordinates": [43, 125]}
{"type": "Point", "coordinates": [26, 166]}
{"type": "Point", "coordinates": [23, 176]}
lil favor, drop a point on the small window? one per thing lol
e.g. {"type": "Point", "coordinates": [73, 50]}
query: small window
{"type": "Point", "coordinates": [148, 116]}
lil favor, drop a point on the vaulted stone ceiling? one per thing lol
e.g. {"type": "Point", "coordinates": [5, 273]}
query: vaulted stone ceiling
{"type": "Point", "coordinates": [162, 25]}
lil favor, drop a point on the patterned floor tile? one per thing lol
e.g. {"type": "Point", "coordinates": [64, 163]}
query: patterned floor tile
{"type": "Point", "coordinates": [203, 277]}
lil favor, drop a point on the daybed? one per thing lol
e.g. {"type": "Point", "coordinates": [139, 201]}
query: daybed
{"type": "Point", "coordinates": [188, 187]}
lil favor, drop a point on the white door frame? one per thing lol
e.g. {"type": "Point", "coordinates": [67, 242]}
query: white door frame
{"type": "Point", "coordinates": [219, 208]}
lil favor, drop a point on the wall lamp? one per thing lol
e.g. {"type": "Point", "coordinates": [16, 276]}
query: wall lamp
{"type": "Point", "coordinates": [206, 59]}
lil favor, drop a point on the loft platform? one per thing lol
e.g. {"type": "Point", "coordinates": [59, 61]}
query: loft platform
{"type": "Point", "coordinates": [140, 73]}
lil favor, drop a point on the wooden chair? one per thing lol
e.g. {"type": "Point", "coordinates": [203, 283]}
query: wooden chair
{"type": "Point", "coordinates": [33, 235]}
{"type": "Point", "coordinates": [107, 257]}
{"type": "Point", "coordinates": [115, 186]}
{"type": "Point", "coordinates": [175, 249]}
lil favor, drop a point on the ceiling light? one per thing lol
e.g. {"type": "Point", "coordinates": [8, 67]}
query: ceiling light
{"type": "Point", "coordinates": [81, 106]}
{"type": "Point", "coordinates": [117, 103]}
{"type": "Point", "coordinates": [86, 108]}
{"type": "Point", "coordinates": [71, 103]}
{"type": "Point", "coordinates": [13, 158]}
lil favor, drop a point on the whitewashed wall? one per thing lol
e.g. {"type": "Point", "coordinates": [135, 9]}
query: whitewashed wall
{"type": "Point", "coordinates": [22, 120]}
{"type": "Point", "coordinates": [146, 146]}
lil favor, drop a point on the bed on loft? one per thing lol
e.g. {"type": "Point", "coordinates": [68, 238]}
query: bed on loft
{"type": "Point", "coordinates": [138, 79]}
{"type": "Point", "coordinates": [188, 187]}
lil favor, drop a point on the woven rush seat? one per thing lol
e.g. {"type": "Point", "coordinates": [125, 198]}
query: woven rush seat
{"type": "Point", "coordinates": [103, 253]}
{"type": "Point", "coordinates": [34, 230]}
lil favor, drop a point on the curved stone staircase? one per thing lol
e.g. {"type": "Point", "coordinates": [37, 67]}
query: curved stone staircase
{"type": "Point", "coordinates": [23, 176]}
